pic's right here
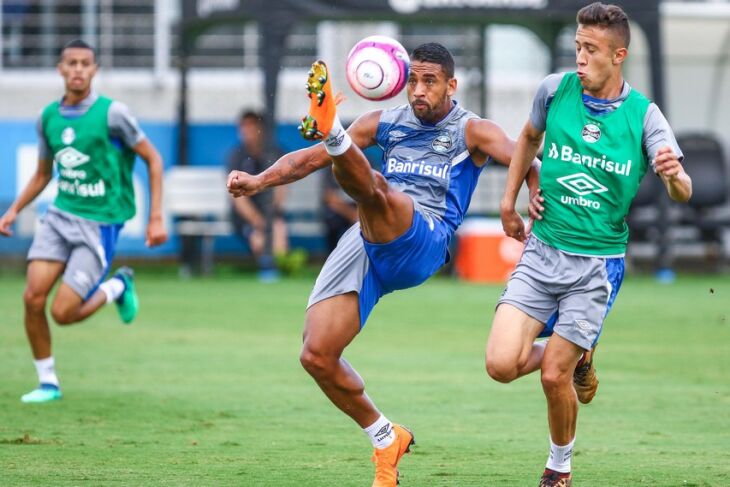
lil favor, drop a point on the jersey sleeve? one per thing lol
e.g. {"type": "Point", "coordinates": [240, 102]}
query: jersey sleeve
{"type": "Point", "coordinates": [44, 150]}
{"type": "Point", "coordinates": [657, 134]}
{"type": "Point", "coordinates": [123, 125]}
{"type": "Point", "coordinates": [545, 93]}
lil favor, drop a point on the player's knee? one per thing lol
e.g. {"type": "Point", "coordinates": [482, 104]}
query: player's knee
{"type": "Point", "coordinates": [553, 379]}
{"type": "Point", "coordinates": [34, 301]}
{"type": "Point", "coordinates": [63, 315]}
{"type": "Point", "coordinates": [315, 363]}
{"type": "Point", "coordinates": [501, 370]}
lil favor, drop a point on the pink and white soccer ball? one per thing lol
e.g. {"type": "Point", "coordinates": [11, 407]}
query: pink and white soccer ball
{"type": "Point", "coordinates": [377, 67]}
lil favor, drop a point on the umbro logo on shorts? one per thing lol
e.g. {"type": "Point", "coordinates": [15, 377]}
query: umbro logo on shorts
{"type": "Point", "coordinates": [583, 324]}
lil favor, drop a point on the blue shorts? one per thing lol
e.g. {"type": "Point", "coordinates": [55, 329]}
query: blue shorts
{"type": "Point", "coordinates": [374, 270]}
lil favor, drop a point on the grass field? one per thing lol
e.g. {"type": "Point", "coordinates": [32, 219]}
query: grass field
{"type": "Point", "coordinates": [206, 389]}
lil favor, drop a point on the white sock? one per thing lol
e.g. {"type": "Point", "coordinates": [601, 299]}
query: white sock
{"type": "Point", "coordinates": [46, 368]}
{"type": "Point", "coordinates": [338, 140]}
{"type": "Point", "coordinates": [381, 432]}
{"type": "Point", "coordinates": [560, 456]}
{"type": "Point", "coordinates": [113, 288]}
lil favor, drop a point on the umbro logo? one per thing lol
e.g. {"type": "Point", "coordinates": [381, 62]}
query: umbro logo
{"type": "Point", "coordinates": [582, 184]}
{"type": "Point", "coordinates": [70, 157]}
{"type": "Point", "coordinates": [336, 140]}
{"type": "Point", "coordinates": [583, 324]}
{"type": "Point", "coordinates": [384, 431]}
{"type": "Point", "coordinates": [396, 134]}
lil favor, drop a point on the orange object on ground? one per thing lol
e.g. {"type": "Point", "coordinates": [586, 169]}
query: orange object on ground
{"type": "Point", "coordinates": [484, 253]}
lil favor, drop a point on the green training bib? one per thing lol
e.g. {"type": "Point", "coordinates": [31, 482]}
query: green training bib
{"type": "Point", "coordinates": [591, 169]}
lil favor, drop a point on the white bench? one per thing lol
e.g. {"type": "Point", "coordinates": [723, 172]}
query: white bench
{"type": "Point", "coordinates": [197, 200]}
{"type": "Point", "coordinates": [196, 197]}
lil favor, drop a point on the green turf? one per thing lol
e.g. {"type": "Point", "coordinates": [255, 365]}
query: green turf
{"type": "Point", "coordinates": [205, 388]}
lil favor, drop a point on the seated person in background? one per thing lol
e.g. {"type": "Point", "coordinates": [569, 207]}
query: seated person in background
{"type": "Point", "coordinates": [258, 219]}
{"type": "Point", "coordinates": [339, 211]}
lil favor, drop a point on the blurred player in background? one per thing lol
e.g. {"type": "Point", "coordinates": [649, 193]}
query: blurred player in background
{"type": "Point", "coordinates": [258, 219]}
{"type": "Point", "coordinates": [434, 151]}
{"type": "Point", "coordinates": [601, 137]}
{"type": "Point", "coordinates": [93, 141]}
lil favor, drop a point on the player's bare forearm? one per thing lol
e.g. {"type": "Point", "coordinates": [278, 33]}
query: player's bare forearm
{"type": "Point", "coordinates": [294, 166]}
{"type": "Point", "coordinates": [156, 233]}
{"type": "Point", "coordinates": [679, 187]}
{"type": "Point", "coordinates": [522, 161]}
{"type": "Point", "coordinates": [35, 186]}
{"type": "Point", "coordinates": [37, 183]}
{"type": "Point", "coordinates": [152, 158]}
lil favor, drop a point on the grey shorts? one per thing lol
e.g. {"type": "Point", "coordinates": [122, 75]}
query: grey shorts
{"type": "Point", "coordinates": [570, 294]}
{"type": "Point", "coordinates": [86, 246]}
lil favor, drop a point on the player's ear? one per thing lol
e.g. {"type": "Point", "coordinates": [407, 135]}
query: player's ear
{"type": "Point", "coordinates": [451, 86]}
{"type": "Point", "coordinates": [619, 55]}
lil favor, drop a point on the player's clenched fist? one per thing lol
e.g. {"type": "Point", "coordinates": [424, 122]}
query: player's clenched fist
{"type": "Point", "coordinates": [6, 222]}
{"type": "Point", "coordinates": [242, 184]}
{"type": "Point", "coordinates": [667, 163]}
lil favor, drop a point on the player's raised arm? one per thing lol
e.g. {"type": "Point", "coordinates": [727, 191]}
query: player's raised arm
{"type": "Point", "coordinates": [301, 163]}
{"type": "Point", "coordinates": [526, 149]}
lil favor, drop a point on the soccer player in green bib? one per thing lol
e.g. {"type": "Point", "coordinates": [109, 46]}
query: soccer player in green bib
{"type": "Point", "coordinates": [601, 138]}
{"type": "Point", "coordinates": [93, 141]}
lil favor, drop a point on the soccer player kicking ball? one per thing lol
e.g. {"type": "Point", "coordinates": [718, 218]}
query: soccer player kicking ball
{"type": "Point", "coordinates": [434, 151]}
{"type": "Point", "coordinates": [601, 137]}
{"type": "Point", "coordinates": [93, 141]}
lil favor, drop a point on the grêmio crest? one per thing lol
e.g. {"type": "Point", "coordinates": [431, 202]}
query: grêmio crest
{"type": "Point", "coordinates": [591, 133]}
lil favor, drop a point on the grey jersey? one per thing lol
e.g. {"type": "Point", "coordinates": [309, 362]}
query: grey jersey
{"type": "Point", "coordinates": [122, 124]}
{"type": "Point", "coordinates": [657, 132]}
{"type": "Point", "coordinates": [430, 163]}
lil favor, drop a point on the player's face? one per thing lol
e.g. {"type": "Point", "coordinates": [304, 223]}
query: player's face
{"type": "Point", "coordinates": [597, 56]}
{"type": "Point", "coordinates": [429, 91]}
{"type": "Point", "coordinates": [77, 67]}
{"type": "Point", "coordinates": [251, 133]}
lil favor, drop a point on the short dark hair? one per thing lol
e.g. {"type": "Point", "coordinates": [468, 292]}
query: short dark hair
{"type": "Point", "coordinates": [77, 44]}
{"type": "Point", "coordinates": [611, 17]}
{"type": "Point", "coordinates": [433, 52]}
{"type": "Point", "coordinates": [252, 116]}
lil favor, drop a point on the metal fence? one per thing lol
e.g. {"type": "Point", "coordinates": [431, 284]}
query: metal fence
{"type": "Point", "coordinates": [143, 34]}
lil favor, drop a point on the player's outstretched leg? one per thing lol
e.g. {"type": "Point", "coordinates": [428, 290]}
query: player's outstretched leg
{"type": "Point", "coordinates": [384, 213]}
{"type": "Point", "coordinates": [331, 325]}
{"type": "Point", "coordinates": [585, 380]}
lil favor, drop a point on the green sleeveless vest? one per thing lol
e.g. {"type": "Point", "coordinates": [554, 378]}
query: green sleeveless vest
{"type": "Point", "coordinates": [591, 170]}
{"type": "Point", "coordinates": [94, 175]}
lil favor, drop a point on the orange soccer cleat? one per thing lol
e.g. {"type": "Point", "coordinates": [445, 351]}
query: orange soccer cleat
{"type": "Point", "coordinates": [585, 380]}
{"type": "Point", "coordinates": [322, 105]}
{"type": "Point", "coordinates": [386, 459]}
